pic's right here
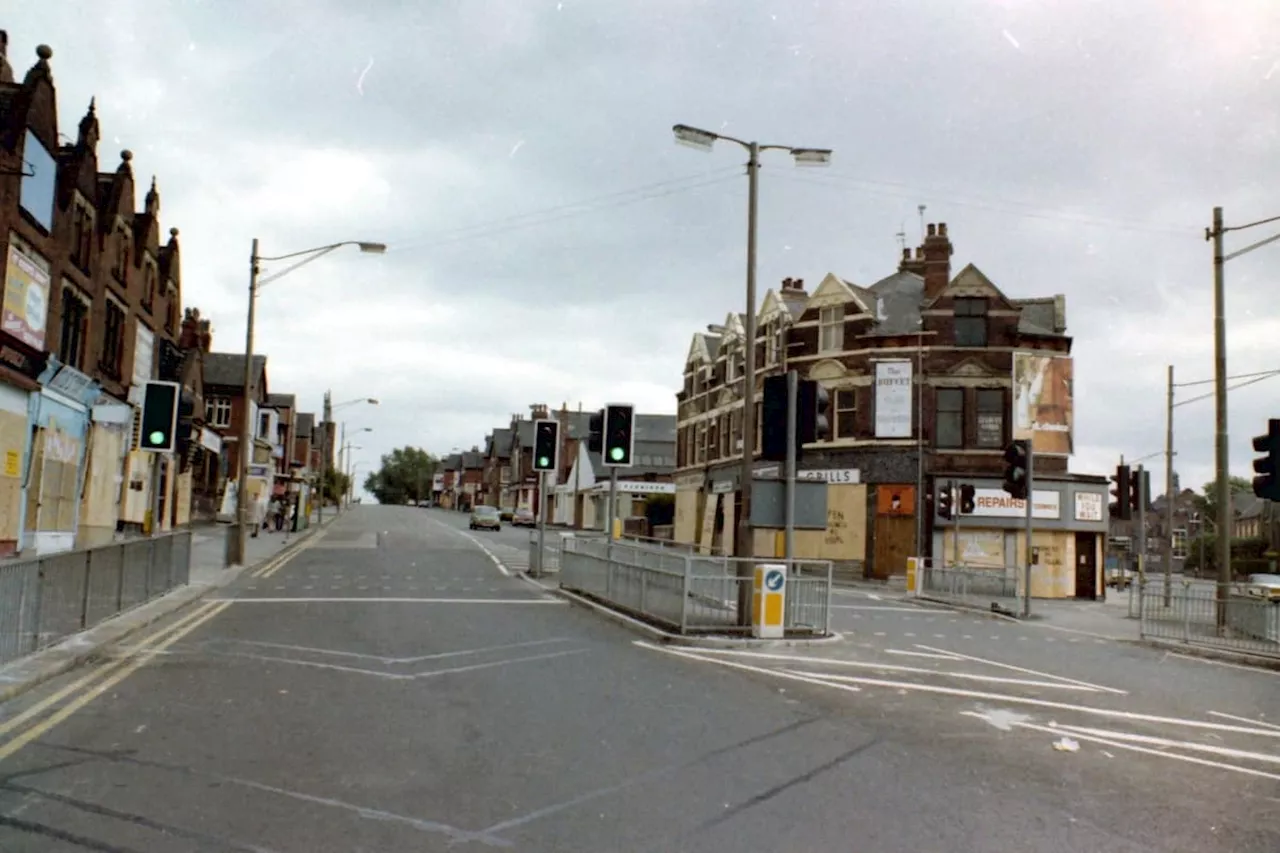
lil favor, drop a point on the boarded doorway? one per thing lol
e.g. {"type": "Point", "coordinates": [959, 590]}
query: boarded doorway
{"type": "Point", "coordinates": [895, 530]}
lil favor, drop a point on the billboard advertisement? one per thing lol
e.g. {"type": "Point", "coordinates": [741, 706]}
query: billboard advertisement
{"type": "Point", "coordinates": [1043, 402]}
{"type": "Point", "coordinates": [893, 399]}
{"type": "Point", "coordinates": [26, 296]}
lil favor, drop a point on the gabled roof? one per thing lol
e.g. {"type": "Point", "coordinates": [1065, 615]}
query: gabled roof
{"type": "Point", "coordinates": [1042, 316]}
{"type": "Point", "coordinates": [895, 303]}
{"type": "Point", "coordinates": [226, 369]}
{"type": "Point", "coordinates": [500, 443]}
{"type": "Point", "coordinates": [837, 291]}
{"type": "Point", "coordinates": [453, 462]}
{"type": "Point", "coordinates": [702, 348]}
{"type": "Point", "coordinates": [282, 401]}
{"type": "Point", "coordinates": [306, 424]}
{"type": "Point", "coordinates": [472, 459]}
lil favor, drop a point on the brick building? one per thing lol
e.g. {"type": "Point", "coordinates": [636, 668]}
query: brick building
{"type": "Point", "coordinates": [930, 376]}
{"type": "Point", "coordinates": [225, 410]}
{"type": "Point", "coordinates": [91, 304]}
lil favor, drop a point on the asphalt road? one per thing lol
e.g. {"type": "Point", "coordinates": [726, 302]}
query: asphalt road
{"type": "Point", "coordinates": [390, 689]}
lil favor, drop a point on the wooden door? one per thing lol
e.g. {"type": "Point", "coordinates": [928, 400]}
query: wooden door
{"type": "Point", "coordinates": [1087, 565]}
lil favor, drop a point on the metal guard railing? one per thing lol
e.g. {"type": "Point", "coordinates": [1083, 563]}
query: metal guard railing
{"type": "Point", "coordinates": [689, 593]}
{"type": "Point", "coordinates": [1195, 616]}
{"type": "Point", "coordinates": [47, 598]}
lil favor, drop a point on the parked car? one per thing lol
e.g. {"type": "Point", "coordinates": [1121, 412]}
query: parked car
{"type": "Point", "coordinates": [485, 518]}
{"type": "Point", "coordinates": [507, 513]}
{"type": "Point", "coordinates": [524, 518]}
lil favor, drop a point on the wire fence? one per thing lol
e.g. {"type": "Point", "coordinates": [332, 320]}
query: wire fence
{"type": "Point", "coordinates": [45, 599]}
{"type": "Point", "coordinates": [997, 588]}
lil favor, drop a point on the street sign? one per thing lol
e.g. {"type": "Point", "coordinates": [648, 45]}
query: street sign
{"type": "Point", "coordinates": [769, 600]}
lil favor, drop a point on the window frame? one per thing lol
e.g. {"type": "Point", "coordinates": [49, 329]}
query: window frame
{"type": "Point", "coordinates": [76, 358]}
{"type": "Point", "coordinates": [840, 412]}
{"type": "Point", "coordinates": [951, 413]}
{"type": "Point", "coordinates": [981, 439]}
{"type": "Point", "coordinates": [831, 328]}
{"type": "Point", "coordinates": [972, 314]}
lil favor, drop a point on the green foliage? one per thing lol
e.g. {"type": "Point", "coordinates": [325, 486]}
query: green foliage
{"type": "Point", "coordinates": [404, 476]}
{"type": "Point", "coordinates": [1207, 500]}
{"type": "Point", "coordinates": [335, 485]}
{"type": "Point", "coordinates": [1248, 556]}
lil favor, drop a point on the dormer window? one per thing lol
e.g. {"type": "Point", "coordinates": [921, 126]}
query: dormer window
{"type": "Point", "coordinates": [971, 321]}
{"type": "Point", "coordinates": [831, 329]}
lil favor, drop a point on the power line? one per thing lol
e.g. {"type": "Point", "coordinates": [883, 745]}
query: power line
{"type": "Point", "coordinates": [1011, 208]}
{"type": "Point", "coordinates": [1262, 373]}
{"type": "Point", "coordinates": [1229, 388]}
{"type": "Point", "coordinates": [621, 198]}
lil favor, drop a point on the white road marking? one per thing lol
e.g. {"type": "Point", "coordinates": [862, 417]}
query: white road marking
{"type": "Point", "coordinates": [375, 600]}
{"type": "Point", "coordinates": [1025, 671]}
{"type": "Point", "coordinates": [747, 667]}
{"type": "Point", "coordinates": [894, 667]}
{"type": "Point", "coordinates": [392, 660]}
{"type": "Point", "coordinates": [933, 655]}
{"type": "Point", "coordinates": [1152, 740]}
{"type": "Point", "coordinates": [1244, 720]}
{"type": "Point", "coordinates": [1191, 759]}
{"type": "Point", "coordinates": [1040, 703]}
{"type": "Point", "coordinates": [1253, 669]}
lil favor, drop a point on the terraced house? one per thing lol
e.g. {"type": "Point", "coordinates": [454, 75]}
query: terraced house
{"type": "Point", "coordinates": [92, 297]}
{"type": "Point", "coordinates": [930, 376]}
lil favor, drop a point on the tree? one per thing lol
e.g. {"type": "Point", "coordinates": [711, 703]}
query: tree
{"type": "Point", "coordinates": [1207, 501]}
{"type": "Point", "coordinates": [335, 485]}
{"type": "Point", "coordinates": [404, 475]}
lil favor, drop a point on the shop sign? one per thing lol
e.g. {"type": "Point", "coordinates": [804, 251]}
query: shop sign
{"type": "Point", "coordinates": [996, 503]}
{"type": "Point", "coordinates": [21, 361]}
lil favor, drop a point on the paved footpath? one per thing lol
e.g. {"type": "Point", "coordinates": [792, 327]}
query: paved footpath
{"type": "Point", "coordinates": [389, 688]}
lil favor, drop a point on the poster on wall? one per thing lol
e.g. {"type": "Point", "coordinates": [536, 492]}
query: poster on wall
{"type": "Point", "coordinates": [1043, 402]}
{"type": "Point", "coordinates": [893, 399]}
{"type": "Point", "coordinates": [26, 295]}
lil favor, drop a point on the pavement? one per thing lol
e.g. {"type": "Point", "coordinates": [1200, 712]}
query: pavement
{"type": "Point", "coordinates": [386, 686]}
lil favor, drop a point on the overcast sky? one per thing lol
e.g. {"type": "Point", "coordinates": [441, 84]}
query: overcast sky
{"type": "Point", "coordinates": [549, 243]}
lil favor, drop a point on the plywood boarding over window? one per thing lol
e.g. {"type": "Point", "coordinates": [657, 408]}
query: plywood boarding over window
{"type": "Point", "coordinates": [13, 440]}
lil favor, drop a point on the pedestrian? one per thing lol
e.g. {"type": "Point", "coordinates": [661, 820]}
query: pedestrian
{"type": "Point", "coordinates": [278, 513]}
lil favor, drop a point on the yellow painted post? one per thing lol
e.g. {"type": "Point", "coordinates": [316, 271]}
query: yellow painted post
{"type": "Point", "coordinates": [768, 600]}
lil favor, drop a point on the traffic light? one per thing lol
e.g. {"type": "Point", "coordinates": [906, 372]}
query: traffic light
{"type": "Point", "coordinates": [967, 499]}
{"type": "Point", "coordinates": [1139, 490]}
{"type": "Point", "coordinates": [1267, 484]}
{"type": "Point", "coordinates": [619, 435]}
{"type": "Point", "coordinates": [1120, 506]}
{"type": "Point", "coordinates": [546, 445]}
{"type": "Point", "coordinates": [185, 427]}
{"type": "Point", "coordinates": [773, 419]}
{"type": "Point", "coordinates": [595, 436]}
{"type": "Point", "coordinates": [945, 509]}
{"type": "Point", "coordinates": [812, 405]}
{"type": "Point", "coordinates": [1015, 468]}
{"type": "Point", "coordinates": [159, 416]}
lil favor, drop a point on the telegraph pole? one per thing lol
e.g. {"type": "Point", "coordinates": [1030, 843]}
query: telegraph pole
{"type": "Point", "coordinates": [1167, 545]}
{"type": "Point", "coordinates": [1221, 450]}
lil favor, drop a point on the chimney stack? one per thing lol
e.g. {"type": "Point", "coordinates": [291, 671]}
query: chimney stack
{"type": "Point", "coordinates": [937, 260]}
{"type": "Point", "coordinates": [189, 334]}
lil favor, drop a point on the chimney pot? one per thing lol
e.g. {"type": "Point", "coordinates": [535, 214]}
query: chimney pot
{"type": "Point", "coordinates": [942, 229]}
{"type": "Point", "coordinates": [933, 230]}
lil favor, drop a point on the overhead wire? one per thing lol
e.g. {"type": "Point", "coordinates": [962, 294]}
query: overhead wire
{"type": "Point", "coordinates": [557, 213]}
{"type": "Point", "coordinates": [894, 190]}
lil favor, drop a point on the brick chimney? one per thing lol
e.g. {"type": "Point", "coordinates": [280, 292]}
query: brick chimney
{"type": "Point", "coordinates": [937, 260]}
{"type": "Point", "coordinates": [189, 334]}
{"type": "Point", "coordinates": [912, 263]}
{"type": "Point", "coordinates": [538, 411]}
{"type": "Point", "coordinates": [793, 294]}
{"type": "Point", "coordinates": [204, 336]}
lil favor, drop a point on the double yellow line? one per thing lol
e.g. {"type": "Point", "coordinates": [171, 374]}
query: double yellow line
{"type": "Point", "coordinates": [278, 562]}
{"type": "Point", "coordinates": [99, 681]}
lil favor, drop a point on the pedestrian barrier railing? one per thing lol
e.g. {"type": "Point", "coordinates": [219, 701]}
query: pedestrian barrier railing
{"type": "Point", "coordinates": [688, 593]}
{"type": "Point", "coordinates": [1196, 616]}
{"type": "Point", "coordinates": [994, 588]}
{"type": "Point", "coordinates": [47, 598]}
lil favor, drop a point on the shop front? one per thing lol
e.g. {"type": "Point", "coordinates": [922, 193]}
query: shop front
{"type": "Point", "coordinates": [60, 415]}
{"type": "Point", "coordinates": [1069, 531]}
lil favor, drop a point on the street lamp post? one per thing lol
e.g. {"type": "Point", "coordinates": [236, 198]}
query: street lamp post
{"type": "Point", "coordinates": [705, 140]}
{"type": "Point", "coordinates": [238, 543]}
{"type": "Point", "coordinates": [343, 461]}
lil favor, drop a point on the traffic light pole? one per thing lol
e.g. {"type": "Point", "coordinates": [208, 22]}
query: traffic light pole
{"type": "Point", "coordinates": [1140, 488]}
{"type": "Point", "coordinates": [1169, 496]}
{"type": "Point", "coordinates": [542, 524]}
{"type": "Point", "coordinates": [1031, 551]}
{"type": "Point", "coordinates": [611, 505]}
{"type": "Point", "coordinates": [789, 517]}
{"type": "Point", "coordinates": [956, 512]}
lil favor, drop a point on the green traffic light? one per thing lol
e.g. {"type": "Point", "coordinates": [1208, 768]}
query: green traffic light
{"type": "Point", "coordinates": [157, 437]}
{"type": "Point", "coordinates": [615, 453]}
{"type": "Point", "coordinates": [543, 462]}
